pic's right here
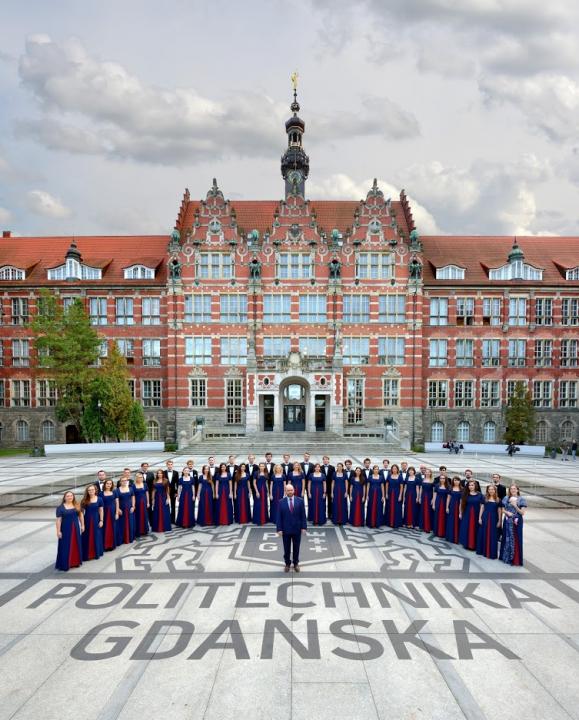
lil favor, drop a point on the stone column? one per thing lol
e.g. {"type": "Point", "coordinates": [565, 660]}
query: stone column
{"type": "Point", "coordinates": [311, 412]}
{"type": "Point", "coordinates": [277, 413]}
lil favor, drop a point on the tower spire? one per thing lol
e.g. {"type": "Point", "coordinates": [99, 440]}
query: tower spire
{"type": "Point", "coordinates": [295, 164]}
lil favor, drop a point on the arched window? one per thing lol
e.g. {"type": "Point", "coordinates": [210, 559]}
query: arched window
{"type": "Point", "coordinates": [48, 432]}
{"type": "Point", "coordinates": [153, 432]}
{"type": "Point", "coordinates": [463, 432]}
{"type": "Point", "coordinates": [541, 432]}
{"type": "Point", "coordinates": [22, 434]}
{"type": "Point", "coordinates": [567, 431]}
{"type": "Point", "coordinates": [490, 432]}
{"type": "Point", "coordinates": [437, 432]}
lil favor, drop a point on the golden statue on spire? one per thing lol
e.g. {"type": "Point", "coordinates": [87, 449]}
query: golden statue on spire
{"type": "Point", "coordinates": [294, 78]}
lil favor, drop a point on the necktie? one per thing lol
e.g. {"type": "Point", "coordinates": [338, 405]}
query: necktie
{"type": "Point", "coordinates": [291, 504]}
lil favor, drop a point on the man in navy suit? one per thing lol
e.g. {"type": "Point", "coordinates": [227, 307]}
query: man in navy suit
{"type": "Point", "coordinates": [291, 523]}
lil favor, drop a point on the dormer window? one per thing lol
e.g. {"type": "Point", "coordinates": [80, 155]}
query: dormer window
{"type": "Point", "coordinates": [73, 270]}
{"type": "Point", "coordinates": [517, 270]}
{"type": "Point", "coordinates": [572, 274]}
{"type": "Point", "coordinates": [450, 272]}
{"type": "Point", "coordinates": [139, 272]}
{"type": "Point", "coordinates": [9, 272]}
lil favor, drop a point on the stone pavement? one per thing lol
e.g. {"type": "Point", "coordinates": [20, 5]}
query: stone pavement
{"type": "Point", "coordinates": [204, 624]}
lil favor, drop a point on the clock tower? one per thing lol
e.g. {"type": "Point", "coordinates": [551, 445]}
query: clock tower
{"type": "Point", "coordinates": [295, 164]}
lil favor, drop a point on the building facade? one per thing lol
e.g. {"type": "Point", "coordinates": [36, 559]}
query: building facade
{"type": "Point", "coordinates": [303, 315]}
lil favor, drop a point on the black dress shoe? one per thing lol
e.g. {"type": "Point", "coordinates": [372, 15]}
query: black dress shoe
{"type": "Point", "coordinates": [286, 568]}
{"type": "Point", "coordinates": [297, 568]}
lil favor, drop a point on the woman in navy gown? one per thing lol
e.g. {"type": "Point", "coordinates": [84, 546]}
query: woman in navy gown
{"type": "Point", "coordinates": [394, 493]}
{"type": "Point", "coordinates": [223, 496]}
{"type": "Point", "coordinates": [375, 506]}
{"type": "Point", "coordinates": [69, 526]}
{"type": "Point", "coordinates": [514, 509]}
{"type": "Point", "coordinates": [92, 537]}
{"type": "Point", "coordinates": [317, 496]}
{"type": "Point", "coordinates": [357, 497]}
{"type": "Point", "coordinates": [260, 514]}
{"type": "Point", "coordinates": [411, 488]}
{"type": "Point", "coordinates": [110, 514]}
{"type": "Point", "coordinates": [141, 505]}
{"type": "Point", "coordinates": [161, 504]}
{"type": "Point", "coordinates": [277, 491]}
{"type": "Point", "coordinates": [487, 543]}
{"type": "Point", "coordinates": [339, 496]}
{"type": "Point", "coordinates": [296, 478]}
{"type": "Point", "coordinates": [426, 497]}
{"type": "Point", "coordinates": [242, 492]}
{"type": "Point", "coordinates": [469, 515]}
{"type": "Point", "coordinates": [186, 497]}
{"type": "Point", "coordinates": [453, 510]}
{"type": "Point", "coordinates": [439, 502]}
{"type": "Point", "coordinates": [126, 520]}
{"type": "Point", "coordinates": [205, 498]}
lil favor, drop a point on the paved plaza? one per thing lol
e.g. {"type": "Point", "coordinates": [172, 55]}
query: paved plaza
{"type": "Point", "coordinates": [203, 623]}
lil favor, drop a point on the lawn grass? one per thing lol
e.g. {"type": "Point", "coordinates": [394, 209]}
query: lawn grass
{"type": "Point", "coordinates": [14, 451]}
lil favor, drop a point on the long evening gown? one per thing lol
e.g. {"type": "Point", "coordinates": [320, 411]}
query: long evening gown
{"type": "Point", "coordinates": [161, 510]}
{"type": "Point", "coordinates": [126, 522]}
{"type": "Point", "coordinates": [109, 522]}
{"type": "Point", "coordinates": [487, 543]}
{"type": "Point", "coordinates": [141, 512]}
{"type": "Point", "coordinates": [357, 504]}
{"type": "Point", "coordinates": [317, 503]}
{"type": "Point", "coordinates": [68, 554]}
{"type": "Point", "coordinates": [374, 506]}
{"type": "Point", "coordinates": [186, 511]}
{"type": "Point", "coordinates": [439, 515]}
{"type": "Point", "coordinates": [425, 510]}
{"type": "Point", "coordinates": [92, 537]}
{"type": "Point", "coordinates": [340, 502]}
{"type": "Point", "coordinates": [469, 522]}
{"type": "Point", "coordinates": [393, 504]}
{"type": "Point", "coordinates": [242, 508]}
{"type": "Point", "coordinates": [452, 518]}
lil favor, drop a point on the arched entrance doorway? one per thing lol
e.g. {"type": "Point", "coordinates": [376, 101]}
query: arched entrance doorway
{"type": "Point", "coordinates": [294, 401]}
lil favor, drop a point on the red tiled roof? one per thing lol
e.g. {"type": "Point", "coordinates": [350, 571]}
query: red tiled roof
{"type": "Point", "coordinates": [477, 254]}
{"type": "Point", "coordinates": [112, 253]}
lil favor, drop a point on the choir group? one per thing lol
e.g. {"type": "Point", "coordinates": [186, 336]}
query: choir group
{"type": "Point", "coordinates": [453, 508]}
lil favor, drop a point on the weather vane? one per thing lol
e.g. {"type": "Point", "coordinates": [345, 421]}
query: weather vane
{"type": "Point", "coordinates": [294, 78]}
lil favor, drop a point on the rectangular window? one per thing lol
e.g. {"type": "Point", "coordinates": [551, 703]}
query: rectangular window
{"type": "Point", "coordinates": [233, 308]}
{"type": "Point", "coordinates": [132, 388]}
{"type": "Point", "coordinates": [20, 313]}
{"type": "Point", "coordinates": [198, 392]}
{"type": "Point", "coordinates": [375, 266]}
{"type": "Point", "coordinates": [517, 353]}
{"type": "Point", "coordinates": [276, 346]}
{"type": "Point", "coordinates": [569, 353]}
{"type": "Point", "coordinates": [198, 308]}
{"type": "Point", "coordinates": [438, 356]}
{"type": "Point", "coordinates": [97, 310]}
{"type": "Point", "coordinates": [355, 400]}
{"type": "Point", "coordinates": [234, 351]}
{"type": "Point", "coordinates": [570, 311]}
{"type": "Point", "coordinates": [313, 308]}
{"type": "Point", "coordinates": [492, 311]}
{"type": "Point", "coordinates": [491, 353]}
{"type": "Point", "coordinates": [198, 351]}
{"type": "Point", "coordinates": [126, 348]}
{"type": "Point", "coordinates": [542, 393]}
{"type": "Point", "coordinates": [124, 314]}
{"type": "Point", "coordinates": [490, 393]}
{"type": "Point", "coordinates": [20, 353]}
{"type": "Point", "coordinates": [20, 395]}
{"type": "Point", "coordinates": [151, 311]}
{"type": "Point", "coordinates": [568, 393]}
{"type": "Point", "coordinates": [294, 266]}
{"type": "Point", "coordinates": [151, 395]}
{"type": "Point", "coordinates": [543, 353]}
{"type": "Point", "coordinates": [391, 351]}
{"type": "Point", "coordinates": [276, 308]}
{"type": "Point", "coordinates": [356, 351]}
{"type": "Point", "coordinates": [392, 309]}
{"type": "Point", "coordinates": [151, 352]}
{"type": "Point", "coordinates": [511, 387]}
{"type": "Point", "coordinates": [313, 346]}
{"type": "Point", "coordinates": [390, 392]}
{"type": "Point", "coordinates": [438, 393]}
{"type": "Point", "coordinates": [464, 353]}
{"type": "Point", "coordinates": [438, 311]}
{"type": "Point", "coordinates": [464, 311]}
{"type": "Point", "coordinates": [356, 308]}
{"type": "Point", "coordinates": [543, 311]}
{"type": "Point", "coordinates": [214, 266]}
{"type": "Point", "coordinates": [68, 302]}
{"type": "Point", "coordinates": [463, 393]}
{"type": "Point", "coordinates": [46, 394]}
{"type": "Point", "coordinates": [233, 400]}
{"type": "Point", "coordinates": [517, 311]}
{"type": "Point", "coordinates": [103, 351]}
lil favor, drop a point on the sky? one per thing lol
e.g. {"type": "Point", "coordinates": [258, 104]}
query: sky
{"type": "Point", "coordinates": [109, 109]}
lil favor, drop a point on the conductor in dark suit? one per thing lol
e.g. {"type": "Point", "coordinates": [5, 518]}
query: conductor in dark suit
{"type": "Point", "coordinates": [291, 523]}
{"type": "Point", "coordinates": [173, 479]}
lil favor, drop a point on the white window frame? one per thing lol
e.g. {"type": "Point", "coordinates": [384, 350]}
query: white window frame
{"type": "Point", "coordinates": [392, 309]}
{"type": "Point", "coordinates": [198, 308]}
{"type": "Point", "coordinates": [198, 350]}
{"type": "Point", "coordinates": [438, 311]}
{"type": "Point", "coordinates": [313, 308]}
{"type": "Point", "coordinates": [356, 351]}
{"type": "Point", "coordinates": [390, 392]}
{"type": "Point", "coordinates": [437, 352]}
{"type": "Point", "coordinates": [450, 272]}
{"type": "Point", "coordinates": [375, 265]}
{"type": "Point", "coordinates": [354, 400]}
{"type": "Point", "coordinates": [139, 272]}
{"type": "Point", "coordinates": [294, 266]}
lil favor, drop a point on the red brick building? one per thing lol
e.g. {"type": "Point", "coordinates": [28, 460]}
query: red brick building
{"type": "Point", "coordinates": [304, 315]}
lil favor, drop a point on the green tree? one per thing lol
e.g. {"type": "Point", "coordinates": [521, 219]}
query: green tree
{"type": "Point", "coordinates": [68, 349]}
{"type": "Point", "coordinates": [520, 416]}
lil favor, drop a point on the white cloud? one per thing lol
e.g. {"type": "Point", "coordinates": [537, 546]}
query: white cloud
{"type": "Point", "coordinates": [43, 203]}
{"type": "Point", "coordinates": [343, 187]}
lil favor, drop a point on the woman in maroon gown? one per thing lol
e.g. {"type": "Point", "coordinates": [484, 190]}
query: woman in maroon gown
{"type": "Point", "coordinates": [69, 526]}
